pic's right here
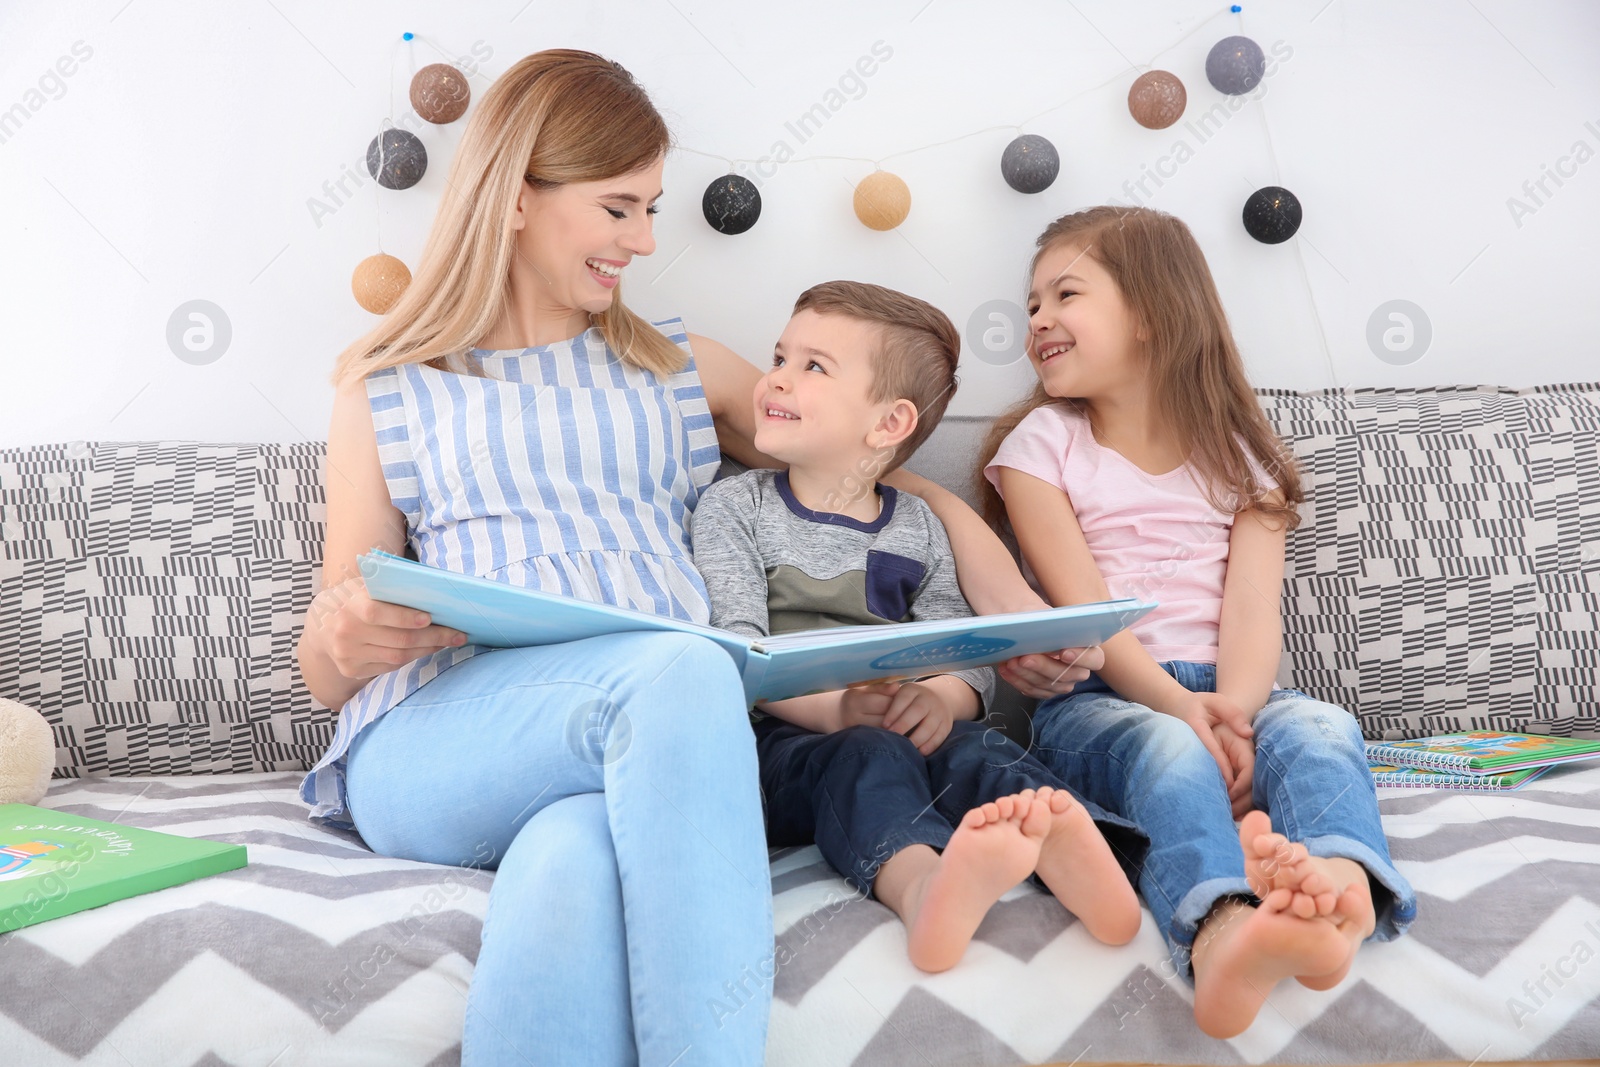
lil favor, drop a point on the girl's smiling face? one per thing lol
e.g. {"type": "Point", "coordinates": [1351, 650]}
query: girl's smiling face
{"type": "Point", "coordinates": [579, 237]}
{"type": "Point", "coordinates": [1083, 340]}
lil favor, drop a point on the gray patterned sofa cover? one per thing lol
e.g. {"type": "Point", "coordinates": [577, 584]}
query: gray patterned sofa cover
{"type": "Point", "coordinates": [1447, 576]}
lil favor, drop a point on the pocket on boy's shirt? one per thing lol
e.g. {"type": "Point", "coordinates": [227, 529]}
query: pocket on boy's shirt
{"type": "Point", "coordinates": [892, 584]}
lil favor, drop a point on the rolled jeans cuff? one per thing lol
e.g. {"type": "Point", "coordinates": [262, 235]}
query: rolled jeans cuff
{"type": "Point", "coordinates": [1395, 908]}
{"type": "Point", "coordinates": [1191, 911]}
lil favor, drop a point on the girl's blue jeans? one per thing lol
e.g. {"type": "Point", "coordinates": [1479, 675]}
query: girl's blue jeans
{"type": "Point", "coordinates": [612, 782]}
{"type": "Point", "coordinates": [1311, 777]}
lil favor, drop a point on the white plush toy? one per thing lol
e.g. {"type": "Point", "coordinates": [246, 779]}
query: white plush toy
{"type": "Point", "coordinates": [27, 754]}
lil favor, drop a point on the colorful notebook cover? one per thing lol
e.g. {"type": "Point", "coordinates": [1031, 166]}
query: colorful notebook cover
{"type": "Point", "coordinates": [53, 864]}
{"type": "Point", "coordinates": [810, 661]}
{"type": "Point", "coordinates": [1482, 751]}
{"type": "Point", "coordinates": [1430, 778]}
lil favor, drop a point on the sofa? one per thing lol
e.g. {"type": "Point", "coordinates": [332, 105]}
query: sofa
{"type": "Point", "coordinates": [1446, 576]}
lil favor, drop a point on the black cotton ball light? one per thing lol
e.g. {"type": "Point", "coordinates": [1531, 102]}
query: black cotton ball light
{"type": "Point", "coordinates": [1235, 65]}
{"type": "Point", "coordinates": [1272, 214]}
{"type": "Point", "coordinates": [1030, 163]}
{"type": "Point", "coordinates": [732, 204]}
{"type": "Point", "coordinates": [397, 159]}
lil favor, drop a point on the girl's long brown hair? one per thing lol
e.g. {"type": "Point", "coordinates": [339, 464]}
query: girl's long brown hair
{"type": "Point", "coordinates": [1197, 378]}
{"type": "Point", "coordinates": [560, 116]}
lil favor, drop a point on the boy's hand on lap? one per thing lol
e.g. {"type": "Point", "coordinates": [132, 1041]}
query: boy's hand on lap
{"type": "Point", "coordinates": [921, 714]}
{"type": "Point", "coordinates": [866, 705]}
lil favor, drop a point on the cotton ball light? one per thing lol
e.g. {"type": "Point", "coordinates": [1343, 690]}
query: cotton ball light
{"type": "Point", "coordinates": [1272, 214]}
{"type": "Point", "coordinates": [397, 159]}
{"type": "Point", "coordinates": [882, 200]}
{"type": "Point", "coordinates": [439, 93]}
{"type": "Point", "coordinates": [1235, 65]}
{"type": "Point", "coordinates": [378, 282]}
{"type": "Point", "coordinates": [1157, 99]}
{"type": "Point", "coordinates": [1030, 163]}
{"type": "Point", "coordinates": [731, 204]}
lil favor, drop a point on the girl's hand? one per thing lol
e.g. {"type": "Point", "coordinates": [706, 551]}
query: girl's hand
{"type": "Point", "coordinates": [1042, 676]}
{"type": "Point", "coordinates": [1203, 712]}
{"type": "Point", "coordinates": [365, 638]}
{"type": "Point", "coordinates": [921, 715]}
{"type": "Point", "coordinates": [1241, 753]}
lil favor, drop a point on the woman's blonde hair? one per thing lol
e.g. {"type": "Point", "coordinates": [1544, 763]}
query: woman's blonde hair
{"type": "Point", "coordinates": [555, 117]}
{"type": "Point", "coordinates": [1197, 378]}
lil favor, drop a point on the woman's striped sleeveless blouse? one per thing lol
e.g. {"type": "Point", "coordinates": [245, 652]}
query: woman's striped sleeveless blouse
{"type": "Point", "coordinates": [565, 469]}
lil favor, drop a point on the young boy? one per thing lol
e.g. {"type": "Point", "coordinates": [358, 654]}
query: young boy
{"type": "Point", "coordinates": [904, 793]}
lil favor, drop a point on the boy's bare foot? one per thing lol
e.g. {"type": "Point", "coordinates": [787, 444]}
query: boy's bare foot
{"type": "Point", "coordinates": [1352, 913]}
{"type": "Point", "coordinates": [1241, 952]}
{"type": "Point", "coordinates": [995, 847]}
{"type": "Point", "coordinates": [1272, 861]}
{"type": "Point", "coordinates": [1080, 869]}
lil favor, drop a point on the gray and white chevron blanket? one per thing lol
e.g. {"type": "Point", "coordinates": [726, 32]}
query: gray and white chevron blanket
{"type": "Point", "coordinates": [321, 953]}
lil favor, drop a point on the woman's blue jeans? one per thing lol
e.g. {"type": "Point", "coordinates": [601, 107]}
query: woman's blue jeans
{"type": "Point", "coordinates": [1311, 777]}
{"type": "Point", "coordinates": [612, 782]}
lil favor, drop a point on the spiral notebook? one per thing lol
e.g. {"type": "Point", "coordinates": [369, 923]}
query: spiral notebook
{"type": "Point", "coordinates": [1387, 774]}
{"type": "Point", "coordinates": [1483, 751]}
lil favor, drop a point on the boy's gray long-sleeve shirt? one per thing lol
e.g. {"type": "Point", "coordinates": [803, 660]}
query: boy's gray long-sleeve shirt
{"type": "Point", "coordinates": [772, 565]}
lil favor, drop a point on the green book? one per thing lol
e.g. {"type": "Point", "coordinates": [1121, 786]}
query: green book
{"type": "Point", "coordinates": [53, 864]}
{"type": "Point", "coordinates": [1482, 751]}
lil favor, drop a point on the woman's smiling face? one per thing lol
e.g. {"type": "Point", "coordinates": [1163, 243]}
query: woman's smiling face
{"type": "Point", "coordinates": [578, 238]}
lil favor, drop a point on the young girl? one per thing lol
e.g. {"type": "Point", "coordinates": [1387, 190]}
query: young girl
{"type": "Point", "coordinates": [1142, 466]}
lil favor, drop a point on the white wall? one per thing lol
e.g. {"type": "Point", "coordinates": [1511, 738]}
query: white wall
{"type": "Point", "coordinates": [179, 159]}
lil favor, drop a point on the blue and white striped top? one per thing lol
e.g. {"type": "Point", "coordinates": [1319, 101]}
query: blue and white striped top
{"type": "Point", "coordinates": [565, 469]}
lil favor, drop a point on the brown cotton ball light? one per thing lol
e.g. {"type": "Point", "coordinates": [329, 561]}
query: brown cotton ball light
{"type": "Point", "coordinates": [439, 93]}
{"type": "Point", "coordinates": [378, 282]}
{"type": "Point", "coordinates": [1157, 99]}
{"type": "Point", "coordinates": [882, 200]}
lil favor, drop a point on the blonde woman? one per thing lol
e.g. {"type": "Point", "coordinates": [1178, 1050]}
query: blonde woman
{"type": "Point", "coordinates": [510, 418]}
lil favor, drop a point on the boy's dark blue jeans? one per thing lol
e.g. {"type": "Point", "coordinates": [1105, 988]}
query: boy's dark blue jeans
{"type": "Point", "coordinates": [865, 793]}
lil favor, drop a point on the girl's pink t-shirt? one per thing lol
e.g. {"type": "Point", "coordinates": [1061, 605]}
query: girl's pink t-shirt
{"type": "Point", "coordinates": [1153, 536]}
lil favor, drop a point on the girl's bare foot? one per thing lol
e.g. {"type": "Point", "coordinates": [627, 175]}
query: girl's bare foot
{"type": "Point", "coordinates": [1326, 888]}
{"type": "Point", "coordinates": [1241, 952]}
{"type": "Point", "coordinates": [995, 847]}
{"type": "Point", "coordinates": [1272, 861]}
{"type": "Point", "coordinates": [1080, 869]}
{"type": "Point", "coordinates": [1352, 913]}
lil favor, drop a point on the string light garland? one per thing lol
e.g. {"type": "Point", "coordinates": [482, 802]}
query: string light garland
{"type": "Point", "coordinates": [1030, 162]}
{"type": "Point", "coordinates": [439, 94]}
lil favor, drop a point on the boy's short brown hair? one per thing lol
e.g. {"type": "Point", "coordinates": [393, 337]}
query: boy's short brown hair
{"type": "Point", "coordinates": [917, 359]}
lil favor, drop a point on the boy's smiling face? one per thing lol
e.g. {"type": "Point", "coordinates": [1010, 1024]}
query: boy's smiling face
{"type": "Point", "coordinates": [814, 407]}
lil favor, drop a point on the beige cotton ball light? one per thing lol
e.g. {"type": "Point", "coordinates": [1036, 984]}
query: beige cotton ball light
{"type": "Point", "coordinates": [882, 200]}
{"type": "Point", "coordinates": [378, 282]}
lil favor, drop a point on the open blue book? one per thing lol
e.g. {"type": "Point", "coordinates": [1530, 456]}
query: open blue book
{"type": "Point", "coordinates": [499, 615]}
